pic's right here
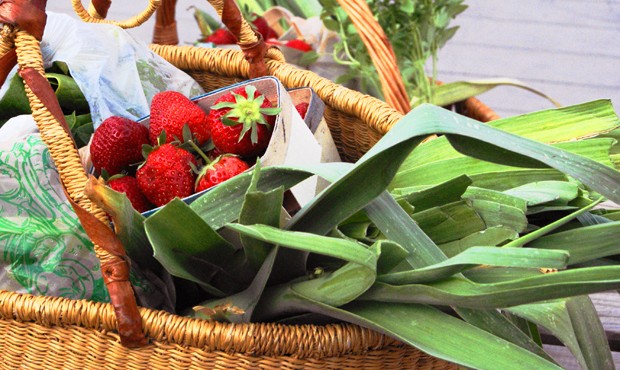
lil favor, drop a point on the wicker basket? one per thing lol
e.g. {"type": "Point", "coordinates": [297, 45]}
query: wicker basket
{"type": "Point", "coordinates": [356, 121]}
{"type": "Point", "coordinates": [49, 332]}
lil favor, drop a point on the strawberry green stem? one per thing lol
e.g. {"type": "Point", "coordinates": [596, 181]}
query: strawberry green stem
{"type": "Point", "coordinates": [200, 152]}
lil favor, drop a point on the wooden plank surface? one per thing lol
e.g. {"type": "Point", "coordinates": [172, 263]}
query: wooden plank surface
{"type": "Point", "coordinates": [567, 49]}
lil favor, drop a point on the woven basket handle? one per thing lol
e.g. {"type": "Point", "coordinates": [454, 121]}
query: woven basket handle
{"type": "Point", "coordinates": [380, 51]}
{"type": "Point", "coordinates": [27, 18]}
{"type": "Point", "coordinates": [249, 40]}
{"type": "Point", "coordinates": [369, 29]}
{"type": "Point", "coordinates": [100, 8]}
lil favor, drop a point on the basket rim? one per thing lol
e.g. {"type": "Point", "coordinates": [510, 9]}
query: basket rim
{"type": "Point", "coordinates": [272, 339]}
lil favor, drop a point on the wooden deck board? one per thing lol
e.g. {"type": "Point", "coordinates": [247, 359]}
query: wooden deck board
{"type": "Point", "coordinates": [567, 49]}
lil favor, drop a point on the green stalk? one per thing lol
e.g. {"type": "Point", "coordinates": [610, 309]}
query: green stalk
{"type": "Point", "coordinates": [549, 228]}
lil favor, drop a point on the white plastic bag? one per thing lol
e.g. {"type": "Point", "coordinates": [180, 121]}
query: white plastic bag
{"type": "Point", "coordinates": [117, 73]}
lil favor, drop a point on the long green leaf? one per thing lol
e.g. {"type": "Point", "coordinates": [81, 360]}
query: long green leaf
{"type": "Point", "coordinates": [189, 248]}
{"type": "Point", "coordinates": [574, 321]}
{"type": "Point", "coordinates": [450, 93]}
{"type": "Point", "coordinates": [475, 139]}
{"type": "Point", "coordinates": [223, 203]}
{"type": "Point", "coordinates": [475, 193]}
{"type": "Point", "coordinates": [334, 288]}
{"type": "Point", "coordinates": [434, 196]}
{"type": "Point", "coordinates": [590, 333]}
{"type": "Point", "coordinates": [247, 299]}
{"type": "Point", "coordinates": [353, 191]}
{"type": "Point", "coordinates": [498, 214]}
{"type": "Point", "coordinates": [260, 208]}
{"type": "Point", "coordinates": [397, 226]}
{"type": "Point", "coordinates": [511, 179]}
{"type": "Point", "coordinates": [447, 167]}
{"type": "Point", "coordinates": [440, 335]}
{"type": "Point", "coordinates": [565, 124]}
{"type": "Point", "coordinates": [511, 257]}
{"type": "Point", "coordinates": [492, 236]}
{"type": "Point", "coordinates": [449, 222]}
{"type": "Point", "coordinates": [458, 291]}
{"type": "Point", "coordinates": [491, 275]}
{"type": "Point", "coordinates": [547, 126]}
{"type": "Point", "coordinates": [497, 323]}
{"type": "Point", "coordinates": [308, 242]}
{"type": "Point", "coordinates": [556, 192]}
{"type": "Point", "coordinates": [432, 331]}
{"type": "Point", "coordinates": [550, 227]}
{"type": "Point", "coordinates": [585, 243]}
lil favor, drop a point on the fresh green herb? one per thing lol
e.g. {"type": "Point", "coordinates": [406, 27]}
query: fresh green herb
{"type": "Point", "coordinates": [416, 30]}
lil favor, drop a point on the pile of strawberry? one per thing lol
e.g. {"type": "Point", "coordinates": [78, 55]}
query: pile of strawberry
{"type": "Point", "coordinates": [223, 36]}
{"type": "Point", "coordinates": [184, 150]}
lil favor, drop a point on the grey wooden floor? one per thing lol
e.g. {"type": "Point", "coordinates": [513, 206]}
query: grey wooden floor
{"type": "Point", "coordinates": [569, 49]}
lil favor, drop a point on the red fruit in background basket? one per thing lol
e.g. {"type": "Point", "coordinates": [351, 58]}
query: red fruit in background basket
{"type": "Point", "coordinates": [117, 144]}
{"type": "Point", "coordinates": [129, 186]}
{"type": "Point", "coordinates": [241, 122]}
{"type": "Point", "coordinates": [221, 36]}
{"type": "Point", "coordinates": [302, 109]}
{"type": "Point", "coordinates": [299, 45]}
{"type": "Point", "coordinates": [263, 28]}
{"type": "Point", "coordinates": [220, 170]}
{"type": "Point", "coordinates": [166, 174]}
{"type": "Point", "coordinates": [170, 111]}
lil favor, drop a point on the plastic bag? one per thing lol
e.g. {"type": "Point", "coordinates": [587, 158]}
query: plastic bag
{"type": "Point", "coordinates": [44, 248]}
{"type": "Point", "coordinates": [117, 73]}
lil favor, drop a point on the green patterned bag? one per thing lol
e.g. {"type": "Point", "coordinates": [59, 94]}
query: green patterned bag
{"type": "Point", "coordinates": [44, 250]}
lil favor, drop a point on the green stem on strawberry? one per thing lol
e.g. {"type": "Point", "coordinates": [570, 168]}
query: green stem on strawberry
{"type": "Point", "coordinates": [199, 151]}
{"type": "Point", "coordinates": [247, 111]}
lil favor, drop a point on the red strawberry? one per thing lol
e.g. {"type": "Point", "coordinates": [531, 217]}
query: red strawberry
{"type": "Point", "coordinates": [214, 153]}
{"type": "Point", "coordinates": [302, 108]}
{"type": "Point", "coordinates": [221, 36]}
{"type": "Point", "coordinates": [170, 111]}
{"type": "Point", "coordinates": [299, 45]}
{"type": "Point", "coordinates": [236, 113]}
{"type": "Point", "coordinates": [263, 28]}
{"type": "Point", "coordinates": [117, 144]}
{"type": "Point", "coordinates": [129, 186]}
{"type": "Point", "coordinates": [166, 174]}
{"type": "Point", "coordinates": [220, 170]}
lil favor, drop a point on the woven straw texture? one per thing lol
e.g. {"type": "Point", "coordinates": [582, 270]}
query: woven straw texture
{"type": "Point", "coordinates": [56, 333]}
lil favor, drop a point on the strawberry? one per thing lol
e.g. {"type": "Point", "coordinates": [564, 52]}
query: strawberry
{"type": "Point", "coordinates": [129, 186]}
{"type": "Point", "coordinates": [170, 111]}
{"type": "Point", "coordinates": [221, 169]}
{"type": "Point", "coordinates": [214, 153]}
{"type": "Point", "coordinates": [221, 36]}
{"type": "Point", "coordinates": [302, 109]}
{"type": "Point", "coordinates": [237, 112]}
{"type": "Point", "coordinates": [166, 174]}
{"type": "Point", "coordinates": [117, 144]}
{"type": "Point", "coordinates": [298, 44]}
{"type": "Point", "coordinates": [263, 28]}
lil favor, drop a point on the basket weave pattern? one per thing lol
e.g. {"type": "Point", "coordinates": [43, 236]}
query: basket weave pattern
{"type": "Point", "coordinates": [57, 333]}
